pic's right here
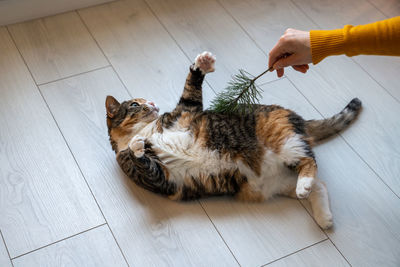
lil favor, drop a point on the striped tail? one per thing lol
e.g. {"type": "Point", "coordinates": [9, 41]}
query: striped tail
{"type": "Point", "coordinates": [319, 130]}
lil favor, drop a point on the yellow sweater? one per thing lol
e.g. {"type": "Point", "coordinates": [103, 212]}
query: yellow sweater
{"type": "Point", "coordinates": [379, 38]}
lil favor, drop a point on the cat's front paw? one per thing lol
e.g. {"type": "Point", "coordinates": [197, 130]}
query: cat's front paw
{"type": "Point", "coordinates": [303, 187]}
{"type": "Point", "coordinates": [205, 62]}
{"type": "Point", "coordinates": [137, 146]}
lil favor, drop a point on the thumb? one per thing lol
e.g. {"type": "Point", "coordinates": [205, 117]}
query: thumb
{"type": "Point", "coordinates": [285, 62]}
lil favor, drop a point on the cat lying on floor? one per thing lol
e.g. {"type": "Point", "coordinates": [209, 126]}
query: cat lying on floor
{"type": "Point", "coordinates": [190, 152]}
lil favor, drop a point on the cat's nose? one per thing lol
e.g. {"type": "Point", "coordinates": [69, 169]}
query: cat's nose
{"type": "Point", "coordinates": [151, 103]}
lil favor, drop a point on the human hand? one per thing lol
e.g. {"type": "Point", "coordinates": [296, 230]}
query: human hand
{"type": "Point", "coordinates": [292, 49]}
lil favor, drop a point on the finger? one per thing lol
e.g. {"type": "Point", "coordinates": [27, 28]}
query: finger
{"type": "Point", "coordinates": [280, 72]}
{"type": "Point", "coordinates": [286, 62]}
{"type": "Point", "coordinates": [303, 65]}
{"type": "Point", "coordinates": [300, 68]}
{"type": "Point", "coordinates": [276, 52]}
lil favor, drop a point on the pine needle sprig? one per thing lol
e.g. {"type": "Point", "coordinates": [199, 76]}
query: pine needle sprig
{"type": "Point", "coordinates": [241, 94]}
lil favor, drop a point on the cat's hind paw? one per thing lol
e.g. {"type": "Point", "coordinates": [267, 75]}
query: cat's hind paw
{"type": "Point", "coordinates": [205, 62]}
{"type": "Point", "coordinates": [137, 146]}
{"type": "Point", "coordinates": [303, 187]}
{"type": "Point", "coordinates": [324, 220]}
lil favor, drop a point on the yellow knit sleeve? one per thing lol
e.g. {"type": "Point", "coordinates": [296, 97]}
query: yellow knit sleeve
{"type": "Point", "coordinates": [379, 38]}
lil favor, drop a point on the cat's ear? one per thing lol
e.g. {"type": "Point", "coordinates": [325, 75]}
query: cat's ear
{"type": "Point", "coordinates": [112, 106]}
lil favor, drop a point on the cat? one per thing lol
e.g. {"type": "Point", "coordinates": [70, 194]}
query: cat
{"type": "Point", "coordinates": [190, 152]}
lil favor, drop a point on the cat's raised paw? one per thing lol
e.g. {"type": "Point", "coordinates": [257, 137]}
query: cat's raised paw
{"type": "Point", "coordinates": [205, 62]}
{"type": "Point", "coordinates": [137, 146]}
{"type": "Point", "coordinates": [304, 186]}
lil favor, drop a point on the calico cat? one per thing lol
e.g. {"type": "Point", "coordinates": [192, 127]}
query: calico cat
{"type": "Point", "coordinates": [190, 152]}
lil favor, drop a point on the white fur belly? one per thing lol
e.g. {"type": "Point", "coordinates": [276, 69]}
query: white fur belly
{"type": "Point", "coordinates": [184, 157]}
{"type": "Point", "coordinates": [275, 176]}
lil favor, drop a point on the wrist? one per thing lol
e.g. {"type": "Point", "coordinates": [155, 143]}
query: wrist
{"type": "Point", "coordinates": [326, 43]}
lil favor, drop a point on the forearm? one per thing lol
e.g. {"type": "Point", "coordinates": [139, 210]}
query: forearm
{"type": "Point", "coordinates": [379, 38]}
{"type": "Point", "coordinates": [145, 171]}
{"type": "Point", "coordinates": [192, 96]}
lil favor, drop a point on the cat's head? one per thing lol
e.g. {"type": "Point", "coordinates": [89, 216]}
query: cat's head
{"type": "Point", "coordinates": [129, 116]}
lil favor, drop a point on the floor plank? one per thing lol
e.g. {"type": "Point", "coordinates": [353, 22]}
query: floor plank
{"type": "Point", "coordinates": [200, 25]}
{"type": "Point", "coordinates": [130, 35]}
{"type": "Point", "coordinates": [150, 229]}
{"type": "Point", "coordinates": [43, 195]}
{"type": "Point", "coordinates": [266, 21]}
{"type": "Point", "coordinates": [391, 8]}
{"type": "Point", "coordinates": [56, 47]}
{"type": "Point", "coordinates": [4, 258]}
{"type": "Point", "coordinates": [366, 221]}
{"type": "Point", "coordinates": [96, 247]}
{"type": "Point", "coordinates": [322, 254]}
{"type": "Point", "coordinates": [383, 69]}
{"type": "Point", "coordinates": [141, 51]}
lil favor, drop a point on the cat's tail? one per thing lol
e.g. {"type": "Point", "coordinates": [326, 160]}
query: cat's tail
{"type": "Point", "coordinates": [319, 130]}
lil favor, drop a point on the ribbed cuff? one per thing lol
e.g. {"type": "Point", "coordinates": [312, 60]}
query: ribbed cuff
{"type": "Point", "coordinates": [326, 43]}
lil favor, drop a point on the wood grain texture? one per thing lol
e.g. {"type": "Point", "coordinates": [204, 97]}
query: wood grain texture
{"type": "Point", "coordinates": [383, 69]}
{"type": "Point", "coordinates": [143, 54]}
{"type": "Point", "coordinates": [57, 47]}
{"type": "Point", "coordinates": [43, 196]}
{"type": "Point", "coordinates": [151, 230]}
{"type": "Point", "coordinates": [366, 222]}
{"type": "Point", "coordinates": [95, 247]}
{"type": "Point", "coordinates": [266, 21]}
{"type": "Point", "coordinates": [205, 25]}
{"type": "Point", "coordinates": [321, 254]}
{"type": "Point", "coordinates": [4, 258]}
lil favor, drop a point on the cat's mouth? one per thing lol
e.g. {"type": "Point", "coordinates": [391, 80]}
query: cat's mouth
{"type": "Point", "coordinates": [152, 113]}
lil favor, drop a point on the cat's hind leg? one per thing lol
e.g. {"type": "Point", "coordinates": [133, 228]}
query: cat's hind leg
{"type": "Point", "coordinates": [307, 170]}
{"type": "Point", "coordinates": [319, 201]}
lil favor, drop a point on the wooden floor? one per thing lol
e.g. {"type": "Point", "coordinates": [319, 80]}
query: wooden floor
{"type": "Point", "coordinates": [64, 200]}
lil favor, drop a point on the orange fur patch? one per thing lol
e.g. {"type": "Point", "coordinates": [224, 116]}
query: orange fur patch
{"type": "Point", "coordinates": [307, 167]}
{"type": "Point", "coordinates": [274, 129]}
{"type": "Point", "coordinates": [247, 194]}
{"type": "Point", "coordinates": [185, 119]}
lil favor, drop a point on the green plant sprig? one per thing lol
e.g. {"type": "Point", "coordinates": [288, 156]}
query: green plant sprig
{"type": "Point", "coordinates": [241, 94]}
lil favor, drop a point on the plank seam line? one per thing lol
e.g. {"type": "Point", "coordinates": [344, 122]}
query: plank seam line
{"type": "Point", "coordinates": [294, 252]}
{"type": "Point", "coordinates": [101, 49]}
{"type": "Point", "coordinates": [5, 245]}
{"type": "Point", "coordinates": [383, 13]}
{"type": "Point", "coordinates": [66, 143]}
{"type": "Point", "coordinates": [248, 35]}
{"type": "Point", "coordinates": [201, 205]}
{"type": "Point", "coordinates": [367, 72]}
{"type": "Point", "coordinates": [58, 241]}
{"type": "Point", "coordinates": [74, 75]}
{"type": "Point", "coordinates": [173, 38]}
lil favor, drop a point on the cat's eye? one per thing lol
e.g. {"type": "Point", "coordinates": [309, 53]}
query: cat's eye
{"type": "Point", "coordinates": [134, 104]}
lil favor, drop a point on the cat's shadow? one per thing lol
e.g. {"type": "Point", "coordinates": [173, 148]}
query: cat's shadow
{"type": "Point", "coordinates": [156, 210]}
